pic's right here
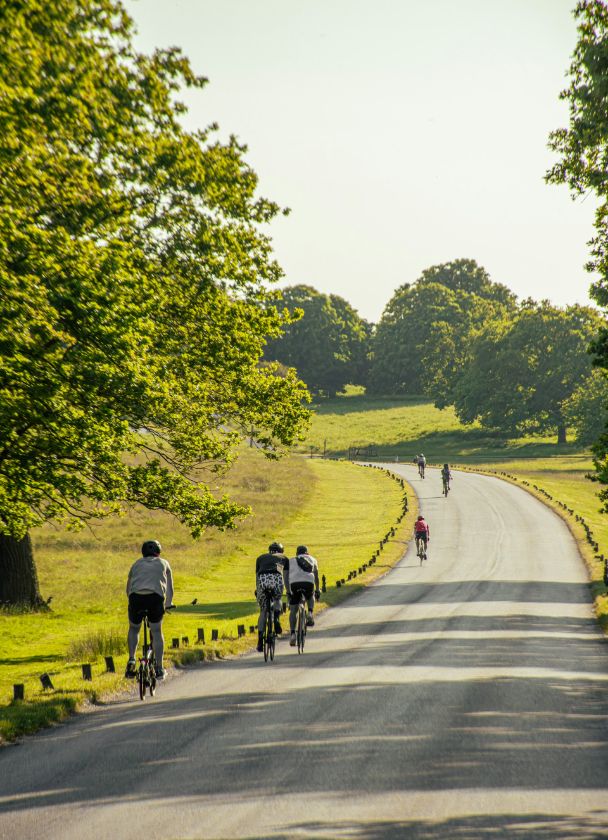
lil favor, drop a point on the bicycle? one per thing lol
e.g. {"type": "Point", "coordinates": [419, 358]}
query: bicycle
{"type": "Point", "coordinates": [421, 470]}
{"type": "Point", "coordinates": [421, 549]}
{"type": "Point", "coordinates": [446, 486]}
{"type": "Point", "coordinates": [146, 673]}
{"type": "Point", "coordinates": [269, 638]}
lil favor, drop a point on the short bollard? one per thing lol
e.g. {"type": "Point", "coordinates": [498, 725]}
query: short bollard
{"type": "Point", "coordinates": [338, 583]}
{"type": "Point", "coordinates": [214, 635]}
{"type": "Point", "coordinates": [174, 643]}
{"type": "Point", "coordinates": [323, 584]}
{"type": "Point", "coordinates": [201, 635]}
{"type": "Point", "coordinates": [185, 641]}
{"type": "Point", "coordinates": [110, 669]}
{"type": "Point", "coordinates": [240, 630]}
{"type": "Point", "coordinates": [46, 681]}
{"type": "Point", "coordinates": [252, 628]}
{"type": "Point", "coordinates": [19, 691]}
{"type": "Point", "coordinates": [87, 674]}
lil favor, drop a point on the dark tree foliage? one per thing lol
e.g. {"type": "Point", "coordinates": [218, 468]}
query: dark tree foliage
{"type": "Point", "coordinates": [424, 334]}
{"type": "Point", "coordinates": [583, 163]}
{"type": "Point", "coordinates": [328, 345]}
{"type": "Point", "coordinates": [522, 371]}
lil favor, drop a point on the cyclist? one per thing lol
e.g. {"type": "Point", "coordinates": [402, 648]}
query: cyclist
{"type": "Point", "coordinates": [446, 475]}
{"type": "Point", "coordinates": [301, 575]}
{"type": "Point", "coordinates": [421, 465]}
{"type": "Point", "coordinates": [269, 575]}
{"type": "Point", "coordinates": [149, 587]}
{"type": "Point", "coordinates": [422, 532]}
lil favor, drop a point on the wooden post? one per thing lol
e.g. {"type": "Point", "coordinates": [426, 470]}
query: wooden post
{"type": "Point", "coordinates": [110, 669]}
{"type": "Point", "coordinates": [201, 635]}
{"type": "Point", "coordinates": [214, 635]}
{"type": "Point", "coordinates": [86, 672]}
{"type": "Point", "coordinates": [175, 643]}
{"type": "Point", "coordinates": [46, 681]}
{"type": "Point", "coordinates": [19, 691]}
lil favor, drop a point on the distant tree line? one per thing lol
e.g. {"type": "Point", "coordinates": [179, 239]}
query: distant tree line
{"type": "Point", "coordinates": [460, 339]}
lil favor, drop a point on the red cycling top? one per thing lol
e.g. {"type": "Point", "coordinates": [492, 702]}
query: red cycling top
{"type": "Point", "coordinates": [422, 528]}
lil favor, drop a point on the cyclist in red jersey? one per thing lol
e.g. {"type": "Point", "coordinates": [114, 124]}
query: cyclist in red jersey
{"type": "Point", "coordinates": [422, 532]}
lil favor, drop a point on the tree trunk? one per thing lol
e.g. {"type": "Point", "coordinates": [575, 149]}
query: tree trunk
{"type": "Point", "coordinates": [561, 433]}
{"type": "Point", "coordinates": [18, 576]}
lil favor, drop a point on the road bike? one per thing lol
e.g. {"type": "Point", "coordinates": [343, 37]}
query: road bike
{"type": "Point", "coordinates": [446, 485]}
{"type": "Point", "coordinates": [421, 470]}
{"type": "Point", "coordinates": [421, 549]}
{"type": "Point", "coordinates": [269, 637]}
{"type": "Point", "coordinates": [146, 673]}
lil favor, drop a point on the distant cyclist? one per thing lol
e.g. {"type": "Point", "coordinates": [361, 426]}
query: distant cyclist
{"type": "Point", "coordinates": [301, 575]}
{"type": "Point", "coordinates": [421, 460]}
{"type": "Point", "coordinates": [422, 533]}
{"type": "Point", "coordinates": [446, 477]}
{"type": "Point", "coordinates": [149, 587]}
{"type": "Point", "coordinates": [269, 576]}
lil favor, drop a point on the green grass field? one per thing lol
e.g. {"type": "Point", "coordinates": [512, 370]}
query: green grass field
{"type": "Point", "coordinates": [404, 427]}
{"type": "Point", "coordinates": [340, 510]}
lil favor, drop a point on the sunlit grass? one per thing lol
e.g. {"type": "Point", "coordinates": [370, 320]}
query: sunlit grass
{"type": "Point", "coordinates": [340, 510]}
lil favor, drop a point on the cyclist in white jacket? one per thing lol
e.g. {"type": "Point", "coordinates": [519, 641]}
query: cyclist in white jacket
{"type": "Point", "coordinates": [301, 575]}
{"type": "Point", "coordinates": [149, 587]}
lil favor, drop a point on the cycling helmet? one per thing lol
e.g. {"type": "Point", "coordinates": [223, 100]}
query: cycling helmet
{"type": "Point", "coordinates": [420, 517]}
{"type": "Point", "coordinates": [301, 549]}
{"type": "Point", "coordinates": [150, 548]}
{"type": "Point", "coordinates": [446, 466]}
{"type": "Point", "coordinates": [275, 548]}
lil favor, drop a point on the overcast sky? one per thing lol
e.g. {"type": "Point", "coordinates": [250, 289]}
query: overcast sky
{"type": "Point", "coordinates": [401, 133]}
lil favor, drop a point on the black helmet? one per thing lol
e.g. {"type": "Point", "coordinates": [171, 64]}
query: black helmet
{"type": "Point", "coordinates": [150, 547]}
{"type": "Point", "coordinates": [275, 548]}
{"type": "Point", "coordinates": [301, 549]}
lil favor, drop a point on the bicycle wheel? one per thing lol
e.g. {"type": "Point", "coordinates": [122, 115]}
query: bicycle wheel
{"type": "Point", "coordinates": [141, 679]}
{"type": "Point", "coordinates": [301, 628]}
{"type": "Point", "coordinates": [268, 633]}
{"type": "Point", "coordinates": [152, 676]}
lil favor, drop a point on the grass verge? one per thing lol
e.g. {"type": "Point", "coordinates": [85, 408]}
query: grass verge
{"type": "Point", "coordinates": [340, 510]}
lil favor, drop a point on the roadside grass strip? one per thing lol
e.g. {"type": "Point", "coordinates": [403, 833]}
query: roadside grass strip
{"type": "Point", "coordinates": [340, 510]}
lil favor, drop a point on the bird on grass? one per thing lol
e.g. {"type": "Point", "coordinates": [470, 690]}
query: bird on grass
{"type": "Point", "coordinates": [194, 602]}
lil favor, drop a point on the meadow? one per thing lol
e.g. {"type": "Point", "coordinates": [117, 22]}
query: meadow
{"type": "Point", "coordinates": [340, 510]}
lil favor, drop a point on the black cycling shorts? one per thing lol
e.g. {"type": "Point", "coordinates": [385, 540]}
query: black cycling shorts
{"type": "Point", "coordinates": [154, 603]}
{"type": "Point", "coordinates": [421, 535]}
{"type": "Point", "coordinates": [305, 586]}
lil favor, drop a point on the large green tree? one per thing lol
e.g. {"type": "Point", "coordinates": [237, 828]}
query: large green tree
{"type": "Point", "coordinates": [133, 275]}
{"type": "Point", "coordinates": [583, 164]}
{"type": "Point", "coordinates": [328, 345]}
{"type": "Point", "coordinates": [523, 370]}
{"type": "Point", "coordinates": [424, 334]}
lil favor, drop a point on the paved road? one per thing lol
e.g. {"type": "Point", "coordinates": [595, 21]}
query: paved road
{"type": "Point", "coordinates": [467, 698]}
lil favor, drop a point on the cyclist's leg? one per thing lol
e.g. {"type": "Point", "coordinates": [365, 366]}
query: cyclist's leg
{"type": "Point", "coordinates": [278, 605]}
{"type": "Point", "coordinates": [133, 639]}
{"type": "Point", "coordinates": [310, 603]}
{"type": "Point", "coordinates": [135, 620]}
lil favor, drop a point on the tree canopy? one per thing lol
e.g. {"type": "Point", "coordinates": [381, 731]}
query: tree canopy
{"type": "Point", "coordinates": [522, 371]}
{"type": "Point", "coordinates": [583, 163]}
{"type": "Point", "coordinates": [423, 336]}
{"type": "Point", "coordinates": [134, 267]}
{"type": "Point", "coordinates": [328, 345]}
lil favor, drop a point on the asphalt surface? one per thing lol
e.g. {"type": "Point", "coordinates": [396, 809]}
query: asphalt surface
{"type": "Point", "coordinates": [465, 698]}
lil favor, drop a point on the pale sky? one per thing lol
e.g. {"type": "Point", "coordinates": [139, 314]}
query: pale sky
{"type": "Point", "coordinates": [401, 133]}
